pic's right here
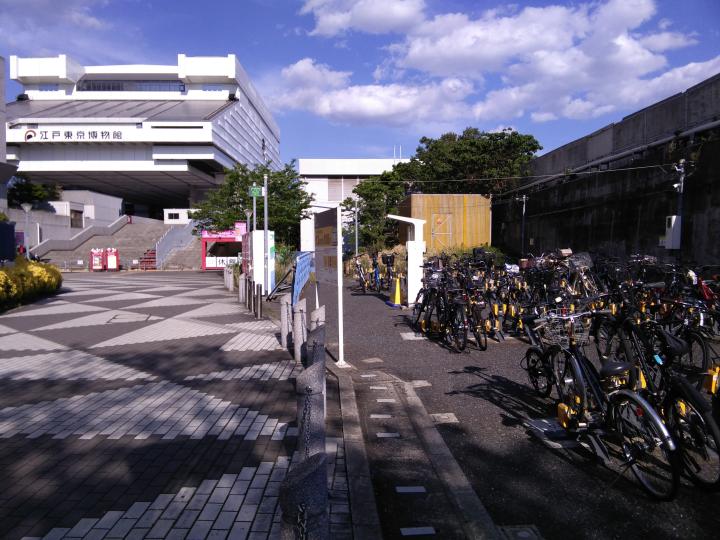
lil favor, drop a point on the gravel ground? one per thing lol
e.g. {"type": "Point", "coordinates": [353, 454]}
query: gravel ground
{"type": "Point", "coordinates": [565, 493]}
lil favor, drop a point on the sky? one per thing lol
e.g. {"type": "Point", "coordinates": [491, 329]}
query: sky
{"type": "Point", "coordinates": [362, 78]}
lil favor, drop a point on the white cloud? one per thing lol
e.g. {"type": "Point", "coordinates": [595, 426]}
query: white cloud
{"type": "Point", "coordinates": [665, 41]}
{"type": "Point", "coordinates": [307, 85]}
{"type": "Point", "coordinates": [74, 27]}
{"type": "Point", "coordinates": [334, 17]}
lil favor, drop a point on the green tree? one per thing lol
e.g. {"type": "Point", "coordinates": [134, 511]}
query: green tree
{"type": "Point", "coordinates": [21, 190]}
{"type": "Point", "coordinates": [473, 162]}
{"type": "Point", "coordinates": [287, 200]}
{"type": "Point", "coordinates": [378, 197]}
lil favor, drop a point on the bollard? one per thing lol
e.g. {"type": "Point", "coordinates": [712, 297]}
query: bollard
{"type": "Point", "coordinates": [241, 288]}
{"type": "Point", "coordinates": [258, 302]}
{"type": "Point", "coordinates": [299, 330]}
{"type": "Point", "coordinates": [285, 314]}
{"type": "Point", "coordinates": [248, 294]}
{"type": "Point", "coordinates": [315, 346]}
{"type": "Point", "coordinates": [317, 317]}
{"type": "Point", "coordinates": [303, 500]}
{"type": "Point", "coordinates": [310, 388]}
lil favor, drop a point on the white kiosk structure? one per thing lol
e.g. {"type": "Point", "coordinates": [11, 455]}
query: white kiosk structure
{"type": "Point", "coordinates": [415, 249]}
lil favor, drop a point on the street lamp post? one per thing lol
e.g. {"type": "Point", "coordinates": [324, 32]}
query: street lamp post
{"type": "Point", "coordinates": [266, 235]}
{"type": "Point", "coordinates": [26, 235]}
{"type": "Point", "coordinates": [248, 213]}
{"type": "Point", "coordinates": [356, 228]}
{"type": "Point", "coordinates": [254, 210]}
{"type": "Point", "coordinates": [523, 199]}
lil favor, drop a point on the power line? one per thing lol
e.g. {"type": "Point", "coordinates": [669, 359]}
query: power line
{"type": "Point", "coordinates": [528, 177]}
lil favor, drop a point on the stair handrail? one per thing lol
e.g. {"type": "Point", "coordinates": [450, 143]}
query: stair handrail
{"type": "Point", "coordinates": [174, 238]}
{"type": "Point", "coordinates": [52, 244]}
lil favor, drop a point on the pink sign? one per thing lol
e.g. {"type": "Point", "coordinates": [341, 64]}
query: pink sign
{"type": "Point", "coordinates": [236, 233]}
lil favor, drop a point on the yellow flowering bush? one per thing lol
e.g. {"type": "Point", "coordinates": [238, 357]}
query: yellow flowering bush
{"type": "Point", "coordinates": [26, 281]}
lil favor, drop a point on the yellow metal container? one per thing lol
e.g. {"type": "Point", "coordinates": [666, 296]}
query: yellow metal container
{"type": "Point", "coordinates": [451, 221]}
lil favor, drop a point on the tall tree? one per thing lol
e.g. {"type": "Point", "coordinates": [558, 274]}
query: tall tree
{"type": "Point", "coordinates": [473, 162]}
{"type": "Point", "coordinates": [378, 197]}
{"type": "Point", "coordinates": [21, 190]}
{"type": "Point", "coordinates": [288, 202]}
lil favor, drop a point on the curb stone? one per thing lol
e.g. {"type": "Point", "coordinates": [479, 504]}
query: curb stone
{"type": "Point", "coordinates": [478, 523]}
{"type": "Point", "coordinates": [363, 508]}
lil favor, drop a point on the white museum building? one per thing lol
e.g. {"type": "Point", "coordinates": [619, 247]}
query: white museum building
{"type": "Point", "coordinates": [157, 136]}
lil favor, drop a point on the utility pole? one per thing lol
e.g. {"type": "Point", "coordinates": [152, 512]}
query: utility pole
{"type": "Point", "coordinates": [523, 199]}
{"type": "Point", "coordinates": [356, 228]}
{"type": "Point", "coordinates": [265, 222]}
{"type": "Point", "coordinates": [680, 187]}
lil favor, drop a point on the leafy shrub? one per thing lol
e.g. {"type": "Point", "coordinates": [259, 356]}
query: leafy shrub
{"type": "Point", "coordinates": [26, 281]}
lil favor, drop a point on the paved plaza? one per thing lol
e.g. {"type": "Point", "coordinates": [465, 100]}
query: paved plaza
{"type": "Point", "coordinates": [143, 406]}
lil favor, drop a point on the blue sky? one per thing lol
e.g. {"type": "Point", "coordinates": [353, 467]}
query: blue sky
{"type": "Point", "coordinates": [355, 78]}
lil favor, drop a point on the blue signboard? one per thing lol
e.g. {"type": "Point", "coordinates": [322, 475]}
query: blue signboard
{"type": "Point", "coordinates": [303, 267]}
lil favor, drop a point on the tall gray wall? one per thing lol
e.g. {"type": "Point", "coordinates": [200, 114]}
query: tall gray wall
{"type": "Point", "coordinates": [618, 201]}
{"type": "Point", "coordinates": [696, 106]}
{"type": "Point", "coordinates": [2, 109]}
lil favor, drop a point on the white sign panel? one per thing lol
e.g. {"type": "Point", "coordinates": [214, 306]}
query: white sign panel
{"type": "Point", "coordinates": [328, 264]}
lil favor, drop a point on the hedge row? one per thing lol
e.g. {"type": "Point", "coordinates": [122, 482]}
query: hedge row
{"type": "Point", "coordinates": [27, 281]}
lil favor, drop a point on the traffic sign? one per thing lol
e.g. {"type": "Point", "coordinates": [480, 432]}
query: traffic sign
{"type": "Point", "coordinates": [256, 191]}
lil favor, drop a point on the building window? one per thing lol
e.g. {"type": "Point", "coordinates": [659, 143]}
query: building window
{"type": "Point", "coordinates": [173, 215]}
{"type": "Point", "coordinates": [130, 86]}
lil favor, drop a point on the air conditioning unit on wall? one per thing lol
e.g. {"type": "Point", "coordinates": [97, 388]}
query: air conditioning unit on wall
{"type": "Point", "coordinates": [672, 232]}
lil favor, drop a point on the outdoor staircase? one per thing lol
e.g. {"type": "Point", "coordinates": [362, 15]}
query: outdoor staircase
{"type": "Point", "coordinates": [134, 242]}
{"type": "Point", "coordinates": [148, 260]}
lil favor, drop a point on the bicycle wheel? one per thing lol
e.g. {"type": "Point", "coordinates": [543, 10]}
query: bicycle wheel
{"type": "Point", "coordinates": [571, 390]}
{"type": "Point", "coordinates": [418, 309]}
{"type": "Point", "coordinates": [698, 437]}
{"type": "Point", "coordinates": [477, 325]}
{"type": "Point", "coordinates": [646, 445]}
{"type": "Point", "coordinates": [694, 364]}
{"type": "Point", "coordinates": [539, 371]}
{"type": "Point", "coordinates": [458, 328]}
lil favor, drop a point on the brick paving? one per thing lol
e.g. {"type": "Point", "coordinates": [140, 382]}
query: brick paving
{"type": "Point", "coordinates": [148, 406]}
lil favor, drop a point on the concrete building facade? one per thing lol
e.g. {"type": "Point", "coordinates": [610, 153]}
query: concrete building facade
{"type": "Point", "coordinates": [155, 135]}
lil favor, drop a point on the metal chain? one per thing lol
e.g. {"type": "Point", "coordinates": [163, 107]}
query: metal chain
{"type": "Point", "coordinates": [306, 418]}
{"type": "Point", "coordinates": [301, 522]}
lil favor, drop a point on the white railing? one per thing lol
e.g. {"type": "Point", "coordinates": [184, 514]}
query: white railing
{"type": "Point", "coordinates": [72, 243]}
{"type": "Point", "coordinates": [174, 238]}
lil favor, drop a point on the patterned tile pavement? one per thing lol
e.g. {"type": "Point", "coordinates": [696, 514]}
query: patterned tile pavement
{"type": "Point", "coordinates": [147, 406]}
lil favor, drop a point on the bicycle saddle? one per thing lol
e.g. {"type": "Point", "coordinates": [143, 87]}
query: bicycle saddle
{"type": "Point", "coordinates": [614, 368]}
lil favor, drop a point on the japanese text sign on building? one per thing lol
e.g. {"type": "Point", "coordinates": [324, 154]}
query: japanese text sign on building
{"type": "Point", "coordinates": [232, 234]}
{"type": "Point", "coordinates": [33, 135]}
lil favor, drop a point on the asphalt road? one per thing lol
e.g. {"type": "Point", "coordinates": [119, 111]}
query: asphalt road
{"type": "Point", "coordinates": [565, 493]}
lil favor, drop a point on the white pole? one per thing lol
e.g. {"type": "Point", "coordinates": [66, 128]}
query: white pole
{"type": "Point", "coordinates": [254, 211]}
{"type": "Point", "coordinates": [266, 237]}
{"type": "Point", "coordinates": [341, 330]}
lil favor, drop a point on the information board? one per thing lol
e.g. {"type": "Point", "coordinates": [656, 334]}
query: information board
{"type": "Point", "coordinates": [303, 267]}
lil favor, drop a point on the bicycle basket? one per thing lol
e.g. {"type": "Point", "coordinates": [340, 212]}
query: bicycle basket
{"type": "Point", "coordinates": [388, 260]}
{"type": "Point", "coordinates": [559, 327]}
{"type": "Point", "coordinates": [580, 261]}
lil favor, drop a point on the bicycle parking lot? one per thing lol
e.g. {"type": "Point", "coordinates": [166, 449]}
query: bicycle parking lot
{"type": "Point", "coordinates": [484, 407]}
